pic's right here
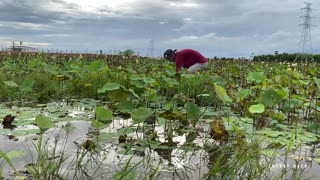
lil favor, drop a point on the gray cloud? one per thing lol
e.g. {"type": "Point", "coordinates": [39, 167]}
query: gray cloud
{"type": "Point", "coordinates": [214, 27]}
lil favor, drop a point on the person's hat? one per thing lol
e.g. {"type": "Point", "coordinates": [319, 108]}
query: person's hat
{"type": "Point", "coordinates": [168, 53]}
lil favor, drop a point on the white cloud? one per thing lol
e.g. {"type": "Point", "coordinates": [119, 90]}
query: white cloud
{"type": "Point", "coordinates": [183, 5]}
{"type": "Point", "coordinates": [24, 25]}
{"type": "Point", "coordinates": [37, 44]}
{"type": "Point", "coordinates": [92, 6]}
{"type": "Point", "coordinates": [163, 22]}
{"type": "Point", "coordinates": [192, 39]}
{"type": "Point", "coordinates": [57, 35]}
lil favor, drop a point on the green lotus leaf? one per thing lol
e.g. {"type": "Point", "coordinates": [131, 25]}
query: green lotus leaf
{"type": "Point", "coordinates": [257, 109]}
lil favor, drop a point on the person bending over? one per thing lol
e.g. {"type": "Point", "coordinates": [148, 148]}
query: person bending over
{"type": "Point", "coordinates": [186, 58]}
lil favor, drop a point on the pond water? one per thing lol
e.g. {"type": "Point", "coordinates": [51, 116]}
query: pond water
{"type": "Point", "coordinates": [109, 158]}
{"type": "Point", "coordinates": [184, 166]}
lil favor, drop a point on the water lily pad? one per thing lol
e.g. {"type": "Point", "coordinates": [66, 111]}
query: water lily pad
{"type": "Point", "coordinates": [222, 94]}
{"type": "Point", "coordinates": [96, 65]}
{"type": "Point", "coordinates": [282, 126]}
{"type": "Point", "coordinates": [171, 82]}
{"type": "Point", "coordinates": [132, 92]}
{"type": "Point", "coordinates": [118, 95]}
{"type": "Point", "coordinates": [161, 121]}
{"type": "Point", "coordinates": [256, 76]}
{"type": "Point", "coordinates": [256, 109]}
{"type": "Point", "coordinates": [27, 85]}
{"type": "Point", "coordinates": [277, 115]}
{"type": "Point", "coordinates": [126, 130]}
{"type": "Point", "coordinates": [125, 106]}
{"type": "Point", "coordinates": [242, 94]}
{"type": "Point", "coordinates": [141, 114]}
{"type": "Point", "coordinates": [103, 115]}
{"type": "Point", "coordinates": [98, 125]}
{"type": "Point", "coordinates": [4, 131]}
{"type": "Point", "coordinates": [168, 106]}
{"type": "Point", "coordinates": [170, 71]}
{"type": "Point", "coordinates": [151, 95]}
{"type": "Point", "coordinates": [109, 87]}
{"type": "Point", "coordinates": [307, 137]}
{"type": "Point", "coordinates": [272, 133]}
{"type": "Point", "coordinates": [314, 127]}
{"type": "Point", "coordinates": [291, 103]}
{"type": "Point", "coordinates": [44, 122]}
{"type": "Point", "coordinates": [27, 113]}
{"type": "Point", "coordinates": [193, 112]}
{"type": "Point", "coordinates": [316, 160]}
{"type": "Point", "coordinates": [25, 132]}
{"type": "Point", "coordinates": [317, 81]}
{"type": "Point", "coordinates": [11, 84]}
{"type": "Point", "coordinates": [149, 80]}
{"type": "Point", "coordinates": [247, 120]}
{"type": "Point", "coordinates": [270, 97]}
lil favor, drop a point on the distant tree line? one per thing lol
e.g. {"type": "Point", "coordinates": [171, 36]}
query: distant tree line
{"type": "Point", "coordinates": [286, 57]}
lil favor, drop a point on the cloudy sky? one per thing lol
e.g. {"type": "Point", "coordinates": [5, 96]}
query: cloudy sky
{"type": "Point", "coordinates": [222, 28]}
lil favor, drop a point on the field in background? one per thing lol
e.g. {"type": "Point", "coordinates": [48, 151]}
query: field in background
{"type": "Point", "coordinates": [238, 119]}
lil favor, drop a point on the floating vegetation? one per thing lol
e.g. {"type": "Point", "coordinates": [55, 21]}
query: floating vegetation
{"type": "Point", "coordinates": [131, 118]}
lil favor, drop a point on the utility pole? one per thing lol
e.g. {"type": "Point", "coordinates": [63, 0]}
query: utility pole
{"type": "Point", "coordinates": [150, 49]}
{"type": "Point", "coordinates": [305, 44]}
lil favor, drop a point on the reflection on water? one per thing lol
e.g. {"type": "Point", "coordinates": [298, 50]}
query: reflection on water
{"type": "Point", "coordinates": [74, 128]}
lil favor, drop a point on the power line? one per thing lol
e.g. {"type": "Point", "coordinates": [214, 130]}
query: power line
{"type": "Point", "coordinates": [305, 44]}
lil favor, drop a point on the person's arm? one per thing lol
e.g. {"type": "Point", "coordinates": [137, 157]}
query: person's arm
{"type": "Point", "coordinates": [179, 63]}
{"type": "Point", "coordinates": [178, 69]}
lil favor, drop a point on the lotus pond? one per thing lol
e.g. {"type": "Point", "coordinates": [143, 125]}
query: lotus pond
{"type": "Point", "coordinates": [102, 117]}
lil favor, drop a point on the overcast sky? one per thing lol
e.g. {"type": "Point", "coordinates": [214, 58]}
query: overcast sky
{"type": "Point", "coordinates": [229, 28]}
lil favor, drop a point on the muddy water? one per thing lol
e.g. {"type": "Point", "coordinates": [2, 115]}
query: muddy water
{"type": "Point", "coordinates": [183, 166]}
{"type": "Point", "coordinates": [298, 161]}
{"type": "Point", "coordinates": [26, 143]}
{"type": "Point", "coordinates": [107, 161]}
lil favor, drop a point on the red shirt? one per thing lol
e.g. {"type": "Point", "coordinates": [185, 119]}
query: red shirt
{"type": "Point", "coordinates": [188, 57]}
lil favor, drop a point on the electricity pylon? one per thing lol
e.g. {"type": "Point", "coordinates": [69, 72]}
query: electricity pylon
{"type": "Point", "coordinates": [305, 44]}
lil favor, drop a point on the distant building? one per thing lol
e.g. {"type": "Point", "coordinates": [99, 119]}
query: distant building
{"type": "Point", "coordinates": [21, 48]}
